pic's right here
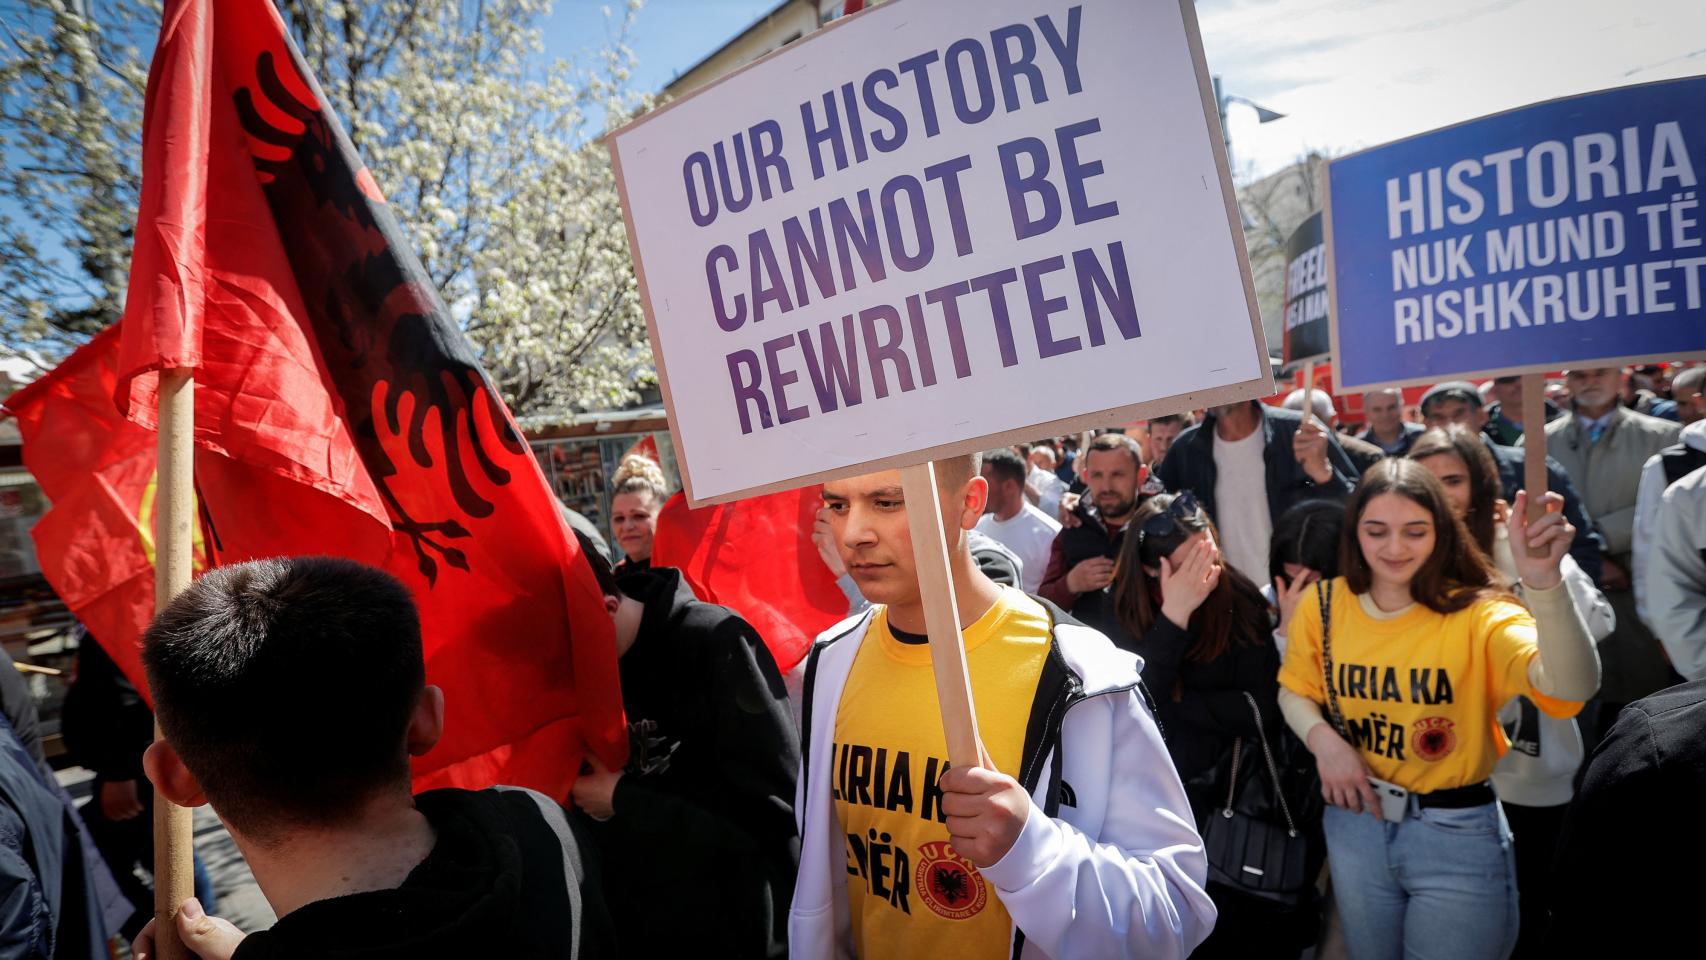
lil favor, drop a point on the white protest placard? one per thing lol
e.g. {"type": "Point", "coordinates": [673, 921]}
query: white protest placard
{"type": "Point", "coordinates": [933, 227]}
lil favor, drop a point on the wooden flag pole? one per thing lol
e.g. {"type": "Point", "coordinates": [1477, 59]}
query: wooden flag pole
{"type": "Point", "coordinates": [1534, 447]}
{"type": "Point", "coordinates": [941, 613]}
{"type": "Point", "coordinates": [174, 538]}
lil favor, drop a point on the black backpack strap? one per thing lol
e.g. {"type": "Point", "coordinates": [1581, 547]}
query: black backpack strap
{"type": "Point", "coordinates": [806, 689]}
{"type": "Point", "coordinates": [808, 683]}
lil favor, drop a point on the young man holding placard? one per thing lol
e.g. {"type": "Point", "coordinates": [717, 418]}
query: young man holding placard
{"type": "Point", "coordinates": [1059, 845]}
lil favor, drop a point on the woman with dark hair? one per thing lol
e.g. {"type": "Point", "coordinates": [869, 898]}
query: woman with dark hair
{"type": "Point", "coordinates": [1536, 779]}
{"type": "Point", "coordinates": [1412, 652]}
{"type": "Point", "coordinates": [1303, 551]}
{"type": "Point", "coordinates": [1204, 631]}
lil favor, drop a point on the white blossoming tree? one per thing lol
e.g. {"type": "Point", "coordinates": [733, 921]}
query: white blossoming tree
{"type": "Point", "coordinates": [485, 148]}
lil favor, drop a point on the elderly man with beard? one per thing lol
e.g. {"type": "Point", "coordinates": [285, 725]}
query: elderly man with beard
{"type": "Point", "coordinates": [1081, 561]}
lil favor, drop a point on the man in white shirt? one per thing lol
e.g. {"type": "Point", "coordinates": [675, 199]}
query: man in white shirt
{"type": "Point", "coordinates": [1660, 471]}
{"type": "Point", "coordinates": [1677, 590]}
{"type": "Point", "coordinates": [1011, 519]}
{"type": "Point", "coordinates": [1042, 479]}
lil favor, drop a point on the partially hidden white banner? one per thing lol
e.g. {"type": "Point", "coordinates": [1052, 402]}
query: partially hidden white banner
{"type": "Point", "coordinates": [932, 225]}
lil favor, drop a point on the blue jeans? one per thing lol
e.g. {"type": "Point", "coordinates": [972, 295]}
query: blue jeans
{"type": "Point", "coordinates": [1439, 886]}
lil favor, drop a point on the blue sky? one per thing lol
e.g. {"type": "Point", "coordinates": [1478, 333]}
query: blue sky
{"type": "Point", "coordinates": [1348, 73]}
{"type": "Point", "coordinates": [668, 36]}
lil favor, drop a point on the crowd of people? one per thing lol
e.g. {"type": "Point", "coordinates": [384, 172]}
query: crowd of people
{"type": "Point", "coordinates": [1248, 682]}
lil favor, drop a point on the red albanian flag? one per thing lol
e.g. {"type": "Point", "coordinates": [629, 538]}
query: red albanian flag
{"type": "Point", "coordinates": [340, 410]}
{"type": "Point", "coordinates": [756, 557]}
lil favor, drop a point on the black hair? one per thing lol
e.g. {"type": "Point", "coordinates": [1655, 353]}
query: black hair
{"type": "Point", "coordinates": [1118, 441]}
{"type": "Point", "coordinates": [1484, 485]}
{"type": "Point", "coordinates": [1455, 575]}
{"type": "Point", "coordinates": [286, 687]}
{"type": "Point", "coordinates": [1005, 464]}
{"type": "Point", "coordinates": [600, 565]}
{"type": "Point", "coordinates": [1234, 613]}
{"type": "Point", "coordinates": [1308, 534]}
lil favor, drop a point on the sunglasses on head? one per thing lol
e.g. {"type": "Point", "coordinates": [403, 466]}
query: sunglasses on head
{"type": "Point", "coordinates": [1182, 509]}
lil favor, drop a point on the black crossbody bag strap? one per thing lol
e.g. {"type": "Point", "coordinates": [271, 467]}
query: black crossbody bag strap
{"type": "Point", "coordinates": [1334, 714]}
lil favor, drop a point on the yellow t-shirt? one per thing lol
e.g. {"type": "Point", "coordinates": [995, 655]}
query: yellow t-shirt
{"type": "Point", "coordinates": [910, 894]}
{"type": "Point", "coordinates": [1421, 691]}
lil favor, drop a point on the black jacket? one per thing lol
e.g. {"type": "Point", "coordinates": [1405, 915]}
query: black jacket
{"type": "Point", "coordinates": [1189, 464]}
{"type": "Point", "coordinates": [1505, 432]}
{"type": "Point", "coordinates": [1585, 549]}
{"type": "Point", "coordinates": [1201, 706]}
{"type": "Point", "coordinates": [1407, 434]}
{"type": "Point", "coordinates": [106, 723]}
{"type": "Point", "coordinates": [1363, 454]}
{"type": "Point", "coordinates": [1630, 851]}
{"type": "Point", "coordinates": [1072, 546]}
{"type": "Point", "coordinates": [699, 859]}
{"type": "Point", "coordinates": [500, 882]}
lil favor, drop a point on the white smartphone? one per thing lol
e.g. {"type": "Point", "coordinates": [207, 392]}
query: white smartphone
{"type": "Point", "coordinates": [1394, 800]}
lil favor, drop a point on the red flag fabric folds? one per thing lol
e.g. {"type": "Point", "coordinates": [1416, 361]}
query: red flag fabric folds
{"type": "Point", "coordinates": [95, 545]}
{"type": "Point", "coordinates": [756, 557]}
{"type": "Point", "coordinates": [340, 410]}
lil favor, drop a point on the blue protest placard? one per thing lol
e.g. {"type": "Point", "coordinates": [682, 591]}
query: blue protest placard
{"type": "Point", "coordinates": [1568, 233]}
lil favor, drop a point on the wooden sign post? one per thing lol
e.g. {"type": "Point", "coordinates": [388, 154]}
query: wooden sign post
{"type": "Point", "coordinates": [174, 539]}
{"type": "Point", "coordinates": [1534, 447]}
{"type": "Point", "coordinates": [941, 612]}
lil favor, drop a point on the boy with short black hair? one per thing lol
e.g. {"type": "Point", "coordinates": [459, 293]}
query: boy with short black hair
{"type": "Point", "coordinates": [291, 693]}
